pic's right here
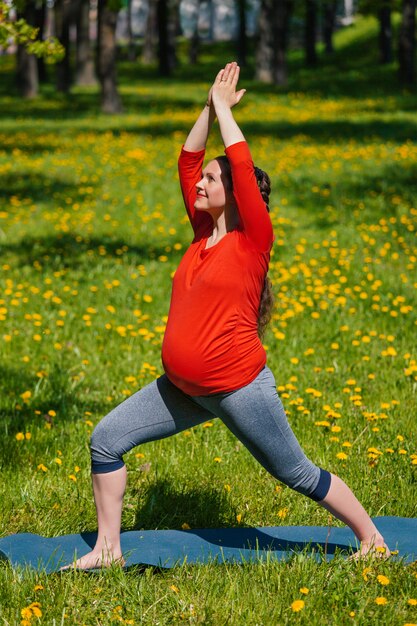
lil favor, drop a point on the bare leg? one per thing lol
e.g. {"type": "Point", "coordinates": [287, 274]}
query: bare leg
{"type": "Point", "coordinates": [108, 496]}
{"type": "Point", "coordinates": [342, 503]}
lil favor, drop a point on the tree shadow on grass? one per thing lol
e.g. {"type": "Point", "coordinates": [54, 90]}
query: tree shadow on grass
{"type": "Point", "coordinates": [168, 505]}
{"type": "Point", "coordinates": [345, 192]}
{"type": "Point", "coordinates": [37, 186]}
{"type": "Point", "coordinates": [318, 131]}
{"type": "Point", "coordinates": [66, 251]}
{"type": "Point", "coordinates": [57, 394]}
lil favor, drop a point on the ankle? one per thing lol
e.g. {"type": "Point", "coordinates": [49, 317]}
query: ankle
{"type": "Point", "coordinates": [107, 546]}
{"type": "Point", "coordinates": [376, 539]}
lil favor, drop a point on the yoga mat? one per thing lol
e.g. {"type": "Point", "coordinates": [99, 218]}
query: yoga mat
{"type": "Point", "coordinates": [167, 548]}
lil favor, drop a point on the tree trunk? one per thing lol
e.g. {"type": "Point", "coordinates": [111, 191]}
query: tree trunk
{"type": "Point", "coordinates": [107, 19]}
{"type": "Point", "coordinates": [85, 71]}
{"type": "Point", "coordinates": [40, 17]}
{"type": "Point", "coordinates": [274, 20]}
{"type": "Point", "coordinates": [163, 54]}
{"type": "Point", "coordinates": [27, 77]}
{"type": "Point", "coordinates": [407, 43]}
{"type": "Point", "coordinates": [131, 52]}
{"type": "Point", "coordinates": [174, 29]}
{"type": "Point", "coordinates": [385, 33]}
{"type": "Point", "coordinates": [242, 47]}
{"type": "Point", "coordinates": [194, 46]}
{"type": "Point", "coordinates": [149, 54]}
{"type": "Point", "coordinates": [310, 33]}
{"type": "Point", "coordinates": [62, 30]}
{"type": "Point", "coordinates": [329, 20]}
{"type": "Point", "coordinates": [168, 25]}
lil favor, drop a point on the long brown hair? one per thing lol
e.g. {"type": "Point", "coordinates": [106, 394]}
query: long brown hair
{"type": "Point", "coordinates": [266, 303]}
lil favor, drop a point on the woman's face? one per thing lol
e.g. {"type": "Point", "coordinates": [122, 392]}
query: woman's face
{"type": "Point", "coordinates": [212, 190]}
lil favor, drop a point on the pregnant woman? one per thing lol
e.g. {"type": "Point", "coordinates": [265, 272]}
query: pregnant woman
{"type": "Point", "coordinates": [214, 361]}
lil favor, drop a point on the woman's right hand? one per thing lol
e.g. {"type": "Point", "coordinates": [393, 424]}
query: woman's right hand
{"type": "Point", "coordinates": [209, 102]}
{"type": "Point", "coordinates": [223, 90]}
{"type": "Point", "coordinates": [222, 75]}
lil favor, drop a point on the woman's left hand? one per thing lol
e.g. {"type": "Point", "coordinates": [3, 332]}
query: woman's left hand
{"type": "Point", "coordinates": [223, 91]}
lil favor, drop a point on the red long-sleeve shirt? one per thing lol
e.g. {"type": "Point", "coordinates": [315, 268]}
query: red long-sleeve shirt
{"type": "Point", "coordinates": [211, 343]}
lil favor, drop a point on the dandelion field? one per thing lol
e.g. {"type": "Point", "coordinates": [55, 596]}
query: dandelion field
{"type": "Point", "coordinates": [91, 229]}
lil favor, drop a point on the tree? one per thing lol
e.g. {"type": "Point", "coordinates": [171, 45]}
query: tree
{"type": "Point", "coordinates": [168, 23]}
{"type": "Point", "coordinates": [131, 52]}
{"type": "Point", "coordinates": [23, 33]}
{"type": "Point", "coordinates": [274, 20]}
{"type": "Point", "coordinates": [149, 53]}
{"type": "Point", "coordinates": [84, 61]}
{"type": "Point", "coordinates": [195, 37]}
{"type": "Point", "coordinates": [329, 19]}
{"type": "Point", "coordinates": [64, 11]}
{"type": "Point", "coordinates": [242, 46]}
{"type": "Point", "coordinates": [106, 51]}
{"type": "Point", "coordinates": [382, 10]}
{"type": "Point", "coordinates": [163, 48]}
{"type": "Point", "coordinates": [27, 66]}
{"type": "Point", "coordinates": [385, 32]}
{"type": "Point", "coordinates": [407, 43]}
{"type": "Point", "coordinates": [310, 32]}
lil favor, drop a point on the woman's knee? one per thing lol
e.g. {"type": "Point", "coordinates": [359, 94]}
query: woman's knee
{"type": "Point", "coordinates": [105, 456]}
{"type": "Point", "coordinates": [309, 480]}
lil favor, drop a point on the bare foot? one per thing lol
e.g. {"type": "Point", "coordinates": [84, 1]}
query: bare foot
{"type": "Point", "coordinates": [374, 547]}
{"type": "Point", "coordinates": [97, 559]}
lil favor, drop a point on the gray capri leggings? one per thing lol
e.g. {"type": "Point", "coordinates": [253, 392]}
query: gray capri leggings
{"type": "Point", "coordinates": [253, 413]}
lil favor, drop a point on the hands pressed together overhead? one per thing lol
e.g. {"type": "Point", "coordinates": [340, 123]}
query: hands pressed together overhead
{"type": "Point", "coordinates": [223, 91]}
{"type": "Point", "coordinates": [221, 98]}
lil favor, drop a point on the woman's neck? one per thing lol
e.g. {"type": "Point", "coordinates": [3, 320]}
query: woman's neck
{"type": "Point", "coordinates": [224, 223]}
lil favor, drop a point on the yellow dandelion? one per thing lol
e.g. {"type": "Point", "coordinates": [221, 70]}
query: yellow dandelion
{"type": "Point", "coordinates": [304, 590]}
{"type": "Point", "coordinates": [20, 436]}
{"type": "Point", "coordinates": [383, 580]}
{"type": "Point", "coordinates": [35, 607]}
{"type": "Point", "coordinates": [412, 602]}
{"type": "Point", "coordinates": [26, 613]}
{"type": "Point", "coordinates": [381, 601]}
{"type": "Point", "coordinates": [342, 456]}
{"type": "Point", "coordinates": [365, 573]}
{"type": "Point", "coordinates": [297, 605]}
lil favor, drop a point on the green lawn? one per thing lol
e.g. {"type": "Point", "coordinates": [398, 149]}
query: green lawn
{"type": "Point", "coordinates": [92, 227]}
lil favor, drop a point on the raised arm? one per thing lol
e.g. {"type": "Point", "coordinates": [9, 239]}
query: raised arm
{"type": "Point", "coordinates": [198, 135]}
{"type": "Point", "coordinates": [190, 163]}
{"type": "Point", "coordinates": [252, 210]}
{"type": "Point", "coordinates": [224, 97]}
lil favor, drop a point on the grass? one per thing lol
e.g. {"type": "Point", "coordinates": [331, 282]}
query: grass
{"type": "Point", "coordinates": [91, 229]}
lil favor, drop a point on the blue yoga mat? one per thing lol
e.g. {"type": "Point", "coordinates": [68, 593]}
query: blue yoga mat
{"type": "Point", "coordinates": [167, 548]}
